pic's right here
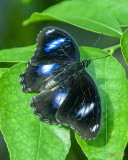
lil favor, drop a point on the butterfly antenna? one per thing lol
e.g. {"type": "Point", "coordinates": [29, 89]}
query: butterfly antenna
{"type": "Point", "coordinates": [87, 62]}
{"type": "Point", "coordinates": [96, 43]}
{"type": "Point", "coordinates": [99, 58]}
{"type": "Point", "coordinates": [94, 46]}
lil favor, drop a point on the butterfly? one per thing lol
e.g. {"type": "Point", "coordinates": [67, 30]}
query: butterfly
{"type": "Point", "coordinates": [67, 95]}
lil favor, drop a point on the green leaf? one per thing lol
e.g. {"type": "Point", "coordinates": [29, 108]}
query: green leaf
{"type": "Point", "coordinates": [82, 15]}
{"type": "Point", "coordinates": [26, 136]}
{"type": "Point", "coordinates": [121, 11]}
{"type": "Point", "coordinates": [118, 7]}
{"type": "Point", "coordinates": [124, 45]}
{"type": "Point", "coordinates": [111, 81]}
{"type": "Point", "coordinates": [2, 70]}
{"type": "Point", "coordinates": [21, 54]}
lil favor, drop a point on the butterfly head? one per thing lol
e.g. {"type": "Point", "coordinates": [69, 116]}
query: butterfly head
{"type": "Point", "coordinates": [85, 63]}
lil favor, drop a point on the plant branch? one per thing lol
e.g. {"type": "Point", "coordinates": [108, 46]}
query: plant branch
{"type": "Point", "coordinates": [112, 48]}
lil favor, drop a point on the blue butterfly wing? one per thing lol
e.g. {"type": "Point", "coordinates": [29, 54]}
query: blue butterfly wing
{"type": "Point", "coordinates": [56, 45]}
{"type": "Point", "coordinates": [55, 49]}
{"type": "Point", "coordinates": [75, 103]}
{"type": "Point", "coordinates": [81, 110]}
{"type": "Point", "coordinates": [47, 102]}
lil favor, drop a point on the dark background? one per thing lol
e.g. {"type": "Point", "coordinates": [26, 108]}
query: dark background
{"type": "Point", "coordinates": [14, 34]}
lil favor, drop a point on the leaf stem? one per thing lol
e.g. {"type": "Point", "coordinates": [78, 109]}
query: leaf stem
{"type": "Point", "coordinates": [112, 48]}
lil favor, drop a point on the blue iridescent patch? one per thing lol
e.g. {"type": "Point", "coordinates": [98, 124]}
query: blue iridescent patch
{"type": "Point", "coordinates": [47, 69]}
{"type": "Point", "coordinates": [59, 98]}
{"type": "Point", "coordinates": [54, 44]}
{"type": "Point", "coordinates": [85, 110]}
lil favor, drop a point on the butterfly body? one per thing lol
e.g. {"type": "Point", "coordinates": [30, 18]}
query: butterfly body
{"type": "Point", "coordinates": [70, 70]}
{"type": "Point", "coordinates": [68, 95]}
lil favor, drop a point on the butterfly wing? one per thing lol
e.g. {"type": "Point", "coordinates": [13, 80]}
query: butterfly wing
{"type": "Point", "coordinates": [47, 102]}
{"type": "Point", "coordinates": [55, 49]}
{"type": "Point", "coordinates": [81, 110]}
{"type": "Point", "coordinates": [56, 45]}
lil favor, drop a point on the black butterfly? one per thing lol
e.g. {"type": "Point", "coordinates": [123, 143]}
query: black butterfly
{"type": "Point", "coordinates": [68, 95]}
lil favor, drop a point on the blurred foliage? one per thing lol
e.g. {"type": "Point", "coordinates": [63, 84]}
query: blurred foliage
{"type": "Point", "coordinates": [12, 15]}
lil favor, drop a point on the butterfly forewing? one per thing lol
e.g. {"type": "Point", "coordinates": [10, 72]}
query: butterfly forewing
{"type": "Point", "coordinates": [81, 111]}
{"type": "Point", "coordinates": [55, 49]}
{"type": "Point", "coordinates": [56, 45]}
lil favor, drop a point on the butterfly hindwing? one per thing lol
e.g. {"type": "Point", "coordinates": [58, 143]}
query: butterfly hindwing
{"type": "Point", "coordinates": [55, 49]}
{"type": "Point", "coordinates": [81, 111]}
{"type": "Point", "coordinates": [47, 102]}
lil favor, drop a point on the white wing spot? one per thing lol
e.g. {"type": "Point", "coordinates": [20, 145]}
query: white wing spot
{"type": "Point", "coordinates": [85, 109]}
{"type": "Point", "coordinates": [94, 128]}
{"type": "Point", "coordinates": [50, 31]}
